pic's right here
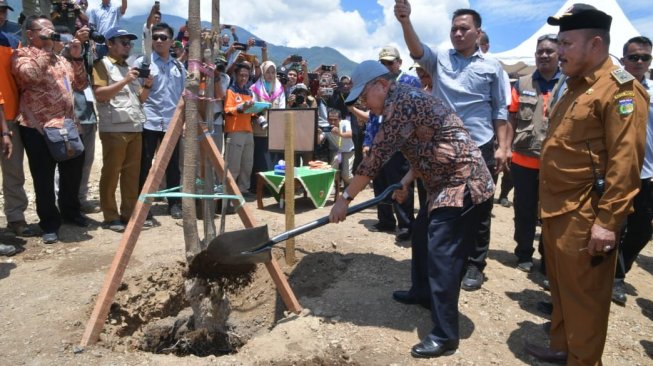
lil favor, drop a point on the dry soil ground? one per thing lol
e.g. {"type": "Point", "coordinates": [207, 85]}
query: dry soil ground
{"type": "Point", "coordinates": [344, 279]}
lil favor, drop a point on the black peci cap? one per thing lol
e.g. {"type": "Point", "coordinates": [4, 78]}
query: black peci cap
{"type": "Point", "coordinates": [581, 16]}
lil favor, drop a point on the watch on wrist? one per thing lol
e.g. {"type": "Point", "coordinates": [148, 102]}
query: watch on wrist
{"type": "Point", "coordinates": [346, 196]}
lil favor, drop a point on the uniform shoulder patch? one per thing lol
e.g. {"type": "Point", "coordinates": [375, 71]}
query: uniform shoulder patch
{"type": "Point", "coordinates": [625, 106]}
{"type": "Point", "coordinates": [622, 76]}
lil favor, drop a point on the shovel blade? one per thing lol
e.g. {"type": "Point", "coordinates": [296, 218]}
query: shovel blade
{"type": "Point", "coordinates": [224, 254]}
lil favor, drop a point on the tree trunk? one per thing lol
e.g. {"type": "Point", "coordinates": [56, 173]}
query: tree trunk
{"type": "Point", "coordinates": [208, 301]}
{"type": "Point", "coordinates": [191, 147]}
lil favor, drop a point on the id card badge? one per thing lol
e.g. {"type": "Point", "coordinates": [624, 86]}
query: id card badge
{"type": "Point", "coordinates": [88, 93]}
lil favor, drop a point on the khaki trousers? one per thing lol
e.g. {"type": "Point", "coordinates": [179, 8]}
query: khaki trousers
{"type": "Point", "coordinates": [581, 285]}
{"type": "Point", "coordinates": [240, 156]}
{"type": "Point", "coordinates": [121, 161]}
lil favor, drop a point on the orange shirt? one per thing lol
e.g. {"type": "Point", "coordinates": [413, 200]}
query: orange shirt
{"type": "Point", "coordinates": [8, 86]}
{"type": "Point", "coordinates": [234, 121]}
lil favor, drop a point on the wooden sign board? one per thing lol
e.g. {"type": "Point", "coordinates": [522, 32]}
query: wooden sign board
{"type": "Point", "coordinates": [305, 129]}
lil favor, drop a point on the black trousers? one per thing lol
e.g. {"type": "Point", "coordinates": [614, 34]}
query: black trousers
{"type": "Point", "coordinates": [638, 229]}
{"type": "Point", "coordinates": [507, 184]}
{"type": "Point", "coordinates": [151, 141]}
{"type": "Point", "coordinates": [525, 203]}
{"type": "Point", "coordinates": [478, 256]}
{"type": "Point", "coordinates": [451, 235]}
{"type": "Point", "coordinates": [391, 173]}
{"type": "Point", "coordinates": [262, 160]}
{"type": "Point", "coordinates": [42, 166]}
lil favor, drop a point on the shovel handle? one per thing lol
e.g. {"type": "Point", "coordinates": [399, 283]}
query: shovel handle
{"type": "Point", "coordinates": [324, 220]}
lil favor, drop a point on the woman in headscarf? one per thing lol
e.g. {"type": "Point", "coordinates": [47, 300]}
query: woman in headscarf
{"type": "Point", "coordinates": [266, 89]}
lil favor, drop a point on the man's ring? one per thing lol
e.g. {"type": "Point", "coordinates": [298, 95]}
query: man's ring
{"type": "Point", "coordinates": [607, 248]}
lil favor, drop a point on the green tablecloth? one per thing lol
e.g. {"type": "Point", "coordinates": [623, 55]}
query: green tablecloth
{"type": "Point", "coordinates": [318, 183]}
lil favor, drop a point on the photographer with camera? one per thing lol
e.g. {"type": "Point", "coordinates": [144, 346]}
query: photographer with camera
{"type": "Point", "coordinates": [119, 97]}
{"type": "Point", "coordinates": [67, 13]}
{"type": "Point", "coordinates": [102, 19]}
{"type": "Point", "coordinates": [46, 82]}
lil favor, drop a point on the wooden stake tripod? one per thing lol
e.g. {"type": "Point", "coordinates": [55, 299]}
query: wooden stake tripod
{"type": "Point", "coordinates": [129, 238]}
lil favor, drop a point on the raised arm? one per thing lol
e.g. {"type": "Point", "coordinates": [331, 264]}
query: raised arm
{"type": "Point", "coordinates": [402, 12]}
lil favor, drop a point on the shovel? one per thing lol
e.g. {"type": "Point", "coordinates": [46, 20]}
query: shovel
{"type": "Point", "coordinates": [238, 250]}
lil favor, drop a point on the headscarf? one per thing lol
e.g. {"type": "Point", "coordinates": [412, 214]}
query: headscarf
{"type": "Point", "coordinates": [275, 86]}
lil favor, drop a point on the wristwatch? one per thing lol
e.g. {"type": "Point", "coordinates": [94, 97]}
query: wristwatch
{"type": "Point", "coordinates": [346, 196]}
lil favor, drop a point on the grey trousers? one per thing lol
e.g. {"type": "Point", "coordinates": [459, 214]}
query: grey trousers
{"type": "Point", "coordinates": [89, 132]}
{"type": "Point", "coordinates": [240, 157]}
{"type": "Point", "coordinates": [13, 178]}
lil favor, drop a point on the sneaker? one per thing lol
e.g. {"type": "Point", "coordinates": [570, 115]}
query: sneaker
{"type": "Point", "coordinates": [20, 228]}
{"type": "Point", "coordinates": [504, 202]}
{"type": "Point", "coordinates": [473, 279]}
{"type": "Point", "coordinates": [619, 292]}
{"type": "Point", "coordinates": [89, 207]}
{"type": "Point", "coordinates": [7, 250]}
{"type": "Point", "coordinates": [525, 266]}
{"type": "Point", "coordinates": [115, 225]}
{"type": "Point", "coordinates": [175, 211]}
{"type": "Point", "coordinates": [50, 238]}
{"type": "Point", "coordinates": [149, 221]}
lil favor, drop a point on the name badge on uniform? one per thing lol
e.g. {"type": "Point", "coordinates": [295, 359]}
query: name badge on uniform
{"type": "Point", "coordinates": [530, 93]}
{"type": "Point", "coordinates": [626, 106]}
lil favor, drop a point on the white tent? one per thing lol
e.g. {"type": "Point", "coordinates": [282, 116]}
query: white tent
{"type": "Point", "coordinates": [620, 32]}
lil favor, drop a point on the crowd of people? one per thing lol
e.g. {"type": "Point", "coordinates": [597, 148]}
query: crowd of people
{"type": "Point", "coordinates": [574, 138]}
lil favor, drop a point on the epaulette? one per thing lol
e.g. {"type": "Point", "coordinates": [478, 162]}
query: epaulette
{"type": "Point", "coordinates": [622, 76]}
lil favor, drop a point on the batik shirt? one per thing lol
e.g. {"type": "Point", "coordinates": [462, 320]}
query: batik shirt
{"type": "Point", "coordinates": [46, 82]}
{"type": "Point", "coordinates": [435, 143]}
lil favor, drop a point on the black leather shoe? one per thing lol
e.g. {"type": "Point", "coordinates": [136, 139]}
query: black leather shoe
{"type": "Point", "coordinates": [403, 234]}
{"type": "Point", "coordinates": [473, 279]}
{"type": "Point", "coordinates": [384, 228]}
{"type": "Point", "coordinates": [545, 354]}
{"type": "Point", "coordinates": [619, 292]}
{"type": "Point", "coordinates": [408, 298]}
{"type": "Point", "coordinates": [428, 348]}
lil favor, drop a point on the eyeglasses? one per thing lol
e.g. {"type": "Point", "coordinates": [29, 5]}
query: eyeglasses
{"type": "Point", "coordinates": [636, 58]}
{"type": "Point", "coordinates": [548, 37]}
{"type": "Point", "coordinates": [362, 97]}
{"type": "Point", "coordinates": [387, 63]}
{"type": "Point", "coordinates": [161, 37]}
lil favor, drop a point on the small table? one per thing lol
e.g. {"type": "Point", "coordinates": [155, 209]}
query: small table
{"type": "Point", "coordinates": [317, 184]}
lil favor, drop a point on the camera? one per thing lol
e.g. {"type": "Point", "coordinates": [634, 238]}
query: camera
{"type": "Point", "coordinates": [95, 36]}
{"type": "Point", "coordinates": [56, 37]}
{"type": "Point", "coordinates": [283, 78]}
{"type": "Point", "coordinates": [299, 99]}
{"type": "Point", "coordinates": [296, 58]}
{"type": "Point", "coordinates": [327, 68]}
{"type": "Point", "coordinates": [240, 46]}
{"type": "Point", "coordinates": [327, 91]}
{"type": "Point", "coordinates": [143, 71]}
{"type": "Point", "coordinates": [325, 128]}
{"type": "Point", "coordinates": [259, 43]}
{"type": "Point", "coordinates": [262, 122]}
{"type": "Point", "coordinates": [220, 64]}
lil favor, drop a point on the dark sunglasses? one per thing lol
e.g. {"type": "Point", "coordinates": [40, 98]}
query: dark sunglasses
{"type": "Point", "coordinates": [635, 58]}
{"type": "Point", "coordinates": [387, 63]}
{"type": "Point", "coordinates": [548, 37]}
{"type": "Point", "coordinates": [126, 43]}
{"type": "Point", "coordinates": [159, 37]}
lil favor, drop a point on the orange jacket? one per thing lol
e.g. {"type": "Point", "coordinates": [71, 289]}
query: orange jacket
{"type": "Point", "coordinates": [234, 120]}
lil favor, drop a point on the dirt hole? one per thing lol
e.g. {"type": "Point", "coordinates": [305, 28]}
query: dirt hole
{"type": "Point", "coordinates": [152, 313]}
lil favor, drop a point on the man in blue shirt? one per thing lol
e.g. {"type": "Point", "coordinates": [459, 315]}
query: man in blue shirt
{"type": "Point", "coordinates": [105, 17]}
{"type": "Point", "coordinates": [6, 25]}
{"type": "Point", "coordinates": [162, 98]}
{"type": "Point", "coordinates": [472, 84]}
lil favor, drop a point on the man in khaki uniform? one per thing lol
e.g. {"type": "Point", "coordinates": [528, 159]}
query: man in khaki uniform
{"type": "Point", "coordinates": [596, 134]}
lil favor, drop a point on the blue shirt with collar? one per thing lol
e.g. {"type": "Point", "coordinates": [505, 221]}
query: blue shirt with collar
{"type": "Point", "coordinates": [546, 85]}
{"type": "Point", "coordinates": [167, 88]}
{"type": "Point", "coordinates": [647, 168]}
{"type": "Point", "coordinates": [105, 17]}
{"type": "Point", "coordinates": [472, 86]}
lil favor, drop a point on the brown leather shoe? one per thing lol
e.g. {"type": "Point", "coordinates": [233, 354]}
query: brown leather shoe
{"type": "Point", "coordinates": [545, 354]}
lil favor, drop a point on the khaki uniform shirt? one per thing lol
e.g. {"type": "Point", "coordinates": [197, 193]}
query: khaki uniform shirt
{"type": "Point", "coordinates": [605, 112]}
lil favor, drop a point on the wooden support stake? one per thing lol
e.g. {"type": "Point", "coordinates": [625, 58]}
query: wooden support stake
{"type": "Point", "coordinates": [289, 183]}
{"type": "Point", "coordinates": [129, 238]}
{"type": "Point", "coordinates": [287, 295]}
